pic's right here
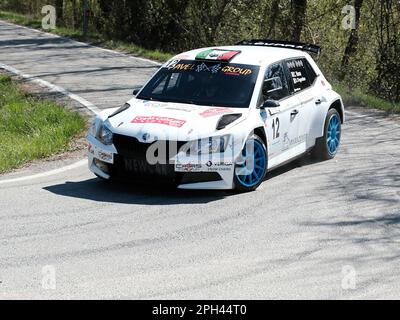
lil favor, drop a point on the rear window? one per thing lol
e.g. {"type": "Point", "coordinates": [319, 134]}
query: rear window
{"type": "Point", "coordinates": [311, 74]}
{"type": "Point", "coordinates": [298, 73]}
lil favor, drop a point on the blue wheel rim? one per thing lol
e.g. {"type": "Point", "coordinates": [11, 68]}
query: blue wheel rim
{"type": "Point", "coordinates": [251, 175]}
{"type": "Point", "coordinates": [333, 135]}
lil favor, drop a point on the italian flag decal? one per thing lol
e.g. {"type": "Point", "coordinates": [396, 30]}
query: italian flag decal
{"type": "Point", "coordinates": [217, 55]}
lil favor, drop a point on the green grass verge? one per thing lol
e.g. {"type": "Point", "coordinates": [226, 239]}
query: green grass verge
{"type": "Point", "coordinates": [358, 97]}
{"type": "Point", "coordinates": [31, 127]}
{"type": "Point", "coordinates": [92, 38]}
{"type": "Point", "coordinates": [28, 21]}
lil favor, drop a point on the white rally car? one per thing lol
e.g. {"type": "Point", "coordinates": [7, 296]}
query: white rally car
{"type": "Point", "coordinates": [221, 118]}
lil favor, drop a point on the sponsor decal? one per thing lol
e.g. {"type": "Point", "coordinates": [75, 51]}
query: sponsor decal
{"type": "Point", "coordinates": [208, 167]}
{"type": "Point", "coordinates": [298, 77]}
{"type": "Point", "coordinates": [187, 167]}
{"type": "Point", "coordinates": [172, 122]}
{"type": "Point", "coordinates": [219, 166]}
{"type": "Point", "coordinates": [178, 65]}
{"type": "Point", "coordinates": [170, 63]}
{"type": "Point", "coordinates": [217, 54]}
{"type": "Point", "coordinates": [215, 111]}
{"type": "Point", "coordinates": [232, 70]}
{"type": "Point", "coordinates": [182, 66]}
{"type": "Point", "coordinates": [105, 156]}
{"type": "Point", "coordinates": [204, 68]}
{"type": "Point", "coordinates": [100, 154]}
{"type": "Point", "coordinates": [287, 142]}
{"type": "Point", "coordinates": [295, 64]}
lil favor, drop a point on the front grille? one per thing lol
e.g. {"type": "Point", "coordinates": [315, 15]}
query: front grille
{"type": "Point", "coordinates": [132, 148]}
{"type": "Point", "coordinates": [131, 164]}
{"type": "Point", "coordinates": [131, 161]}
{"type": "Point", "coordinates": [142, 167]}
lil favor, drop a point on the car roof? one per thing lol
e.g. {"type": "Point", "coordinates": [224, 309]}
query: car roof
{"type": "Point", "coordinates": [253, 55]}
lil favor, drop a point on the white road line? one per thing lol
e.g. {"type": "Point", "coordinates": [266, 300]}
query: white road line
{"type": "Point", "coordinates": [352, 113]}
{"type": "Point", "coordinates": [52, 87]}
{"type": "Point", "coordinates": [84, 43]}
{"type": "Point", "coordinates": [46, 174]}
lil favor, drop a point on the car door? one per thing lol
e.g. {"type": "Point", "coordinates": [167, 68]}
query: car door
{"type": "Point", "coordinates": [281, 123]}
{"type": "Point", "coordinates": [303, 77]}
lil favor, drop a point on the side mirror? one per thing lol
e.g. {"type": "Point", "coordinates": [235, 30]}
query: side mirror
{"type": "Point", "coordinates": [136, 91]}
{"type": "Point", "coordinates": [269, 104]}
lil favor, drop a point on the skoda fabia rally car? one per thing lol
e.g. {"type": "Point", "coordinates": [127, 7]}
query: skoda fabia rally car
{"type": "Point", "coordinates": [221, 118]}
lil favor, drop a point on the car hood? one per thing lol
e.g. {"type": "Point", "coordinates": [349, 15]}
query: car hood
{"type": "Point", "coordinates": [149, 121]}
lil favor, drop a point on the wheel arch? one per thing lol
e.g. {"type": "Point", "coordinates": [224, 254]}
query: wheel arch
{"type": "Point", "coordinates": [260, 131]}
{"type": "Point", "coordinates": [318, 123]}
{"type": "Point", "coordinates": [338, 106]}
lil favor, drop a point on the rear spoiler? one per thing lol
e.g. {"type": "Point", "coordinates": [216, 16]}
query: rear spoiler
{"type": "Point", "coordinates": [282, 44]}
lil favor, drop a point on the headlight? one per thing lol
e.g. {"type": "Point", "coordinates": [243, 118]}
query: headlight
{"type": "Point", "coordinates": [209, 145]}
{"type": "Point", "coordinates": [105, 135]}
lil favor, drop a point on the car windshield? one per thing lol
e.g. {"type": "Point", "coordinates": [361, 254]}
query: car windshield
{"type": "Point", "coordinates": [203, 83]}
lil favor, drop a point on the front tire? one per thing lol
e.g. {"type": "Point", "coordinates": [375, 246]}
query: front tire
{"type": "Point", "coordinates": [251, 166]}
{"type": "Point", "coordinates": [327, 146]}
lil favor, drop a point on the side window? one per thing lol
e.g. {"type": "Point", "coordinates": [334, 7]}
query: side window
{"type": "Point", "coordinates": [312, 75]}
{"type": "Point", "coordinates": [276, 86]}
{"type": "Point", "coordinates": [297, 70]}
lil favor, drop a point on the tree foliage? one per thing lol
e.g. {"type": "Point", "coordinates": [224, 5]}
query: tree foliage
{"type": "Point", "coordinates": [367, 56]}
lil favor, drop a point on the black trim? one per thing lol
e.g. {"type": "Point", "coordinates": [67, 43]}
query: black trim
{"type": "Point", "coordinates": [126, 106]}
{"type": "Point", "coordinates": [282, 44]}
{"type": "Point", "coordinates": [198, 177]}
{"type": "Point", "coordinates": [227, 119]}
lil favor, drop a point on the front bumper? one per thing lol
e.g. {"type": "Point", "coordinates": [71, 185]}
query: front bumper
{"type": "Point", "coordinates": [186, 172]}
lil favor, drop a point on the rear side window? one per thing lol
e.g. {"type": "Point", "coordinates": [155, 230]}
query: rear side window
{"type": "Point", "coordinates": [298, 72]}
{"type": "Point", "coordinates": [311, 74]}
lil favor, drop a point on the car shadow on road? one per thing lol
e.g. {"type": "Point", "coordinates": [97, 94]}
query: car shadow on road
{"type": "Point", "coordinates": [152, 194]}
{"type": "Point", "coordinates": [129, 193]}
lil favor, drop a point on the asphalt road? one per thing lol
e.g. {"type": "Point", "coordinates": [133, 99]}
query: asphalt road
{"type": "Point", "coordinates": [313, 230]}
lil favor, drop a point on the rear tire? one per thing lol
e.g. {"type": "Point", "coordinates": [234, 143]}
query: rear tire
{"type": "Point", "coordinates": [327, 146]}
{"type": "Point", "coordinates": [251, 167]}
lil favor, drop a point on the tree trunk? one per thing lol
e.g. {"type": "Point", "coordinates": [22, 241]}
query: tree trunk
{"type": "Point", "coordinates": [74, 14]}
{"type": "Point", "coordinates": [271, 14]}
{"type": "Point", "coordinates": [60, 11]}
{"type": "Point", "coordinates": [352, 43]}
{"type": "Point", "coordinates": [299, 8]}
{"type": "Point", "coordinates": [216, 20]}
